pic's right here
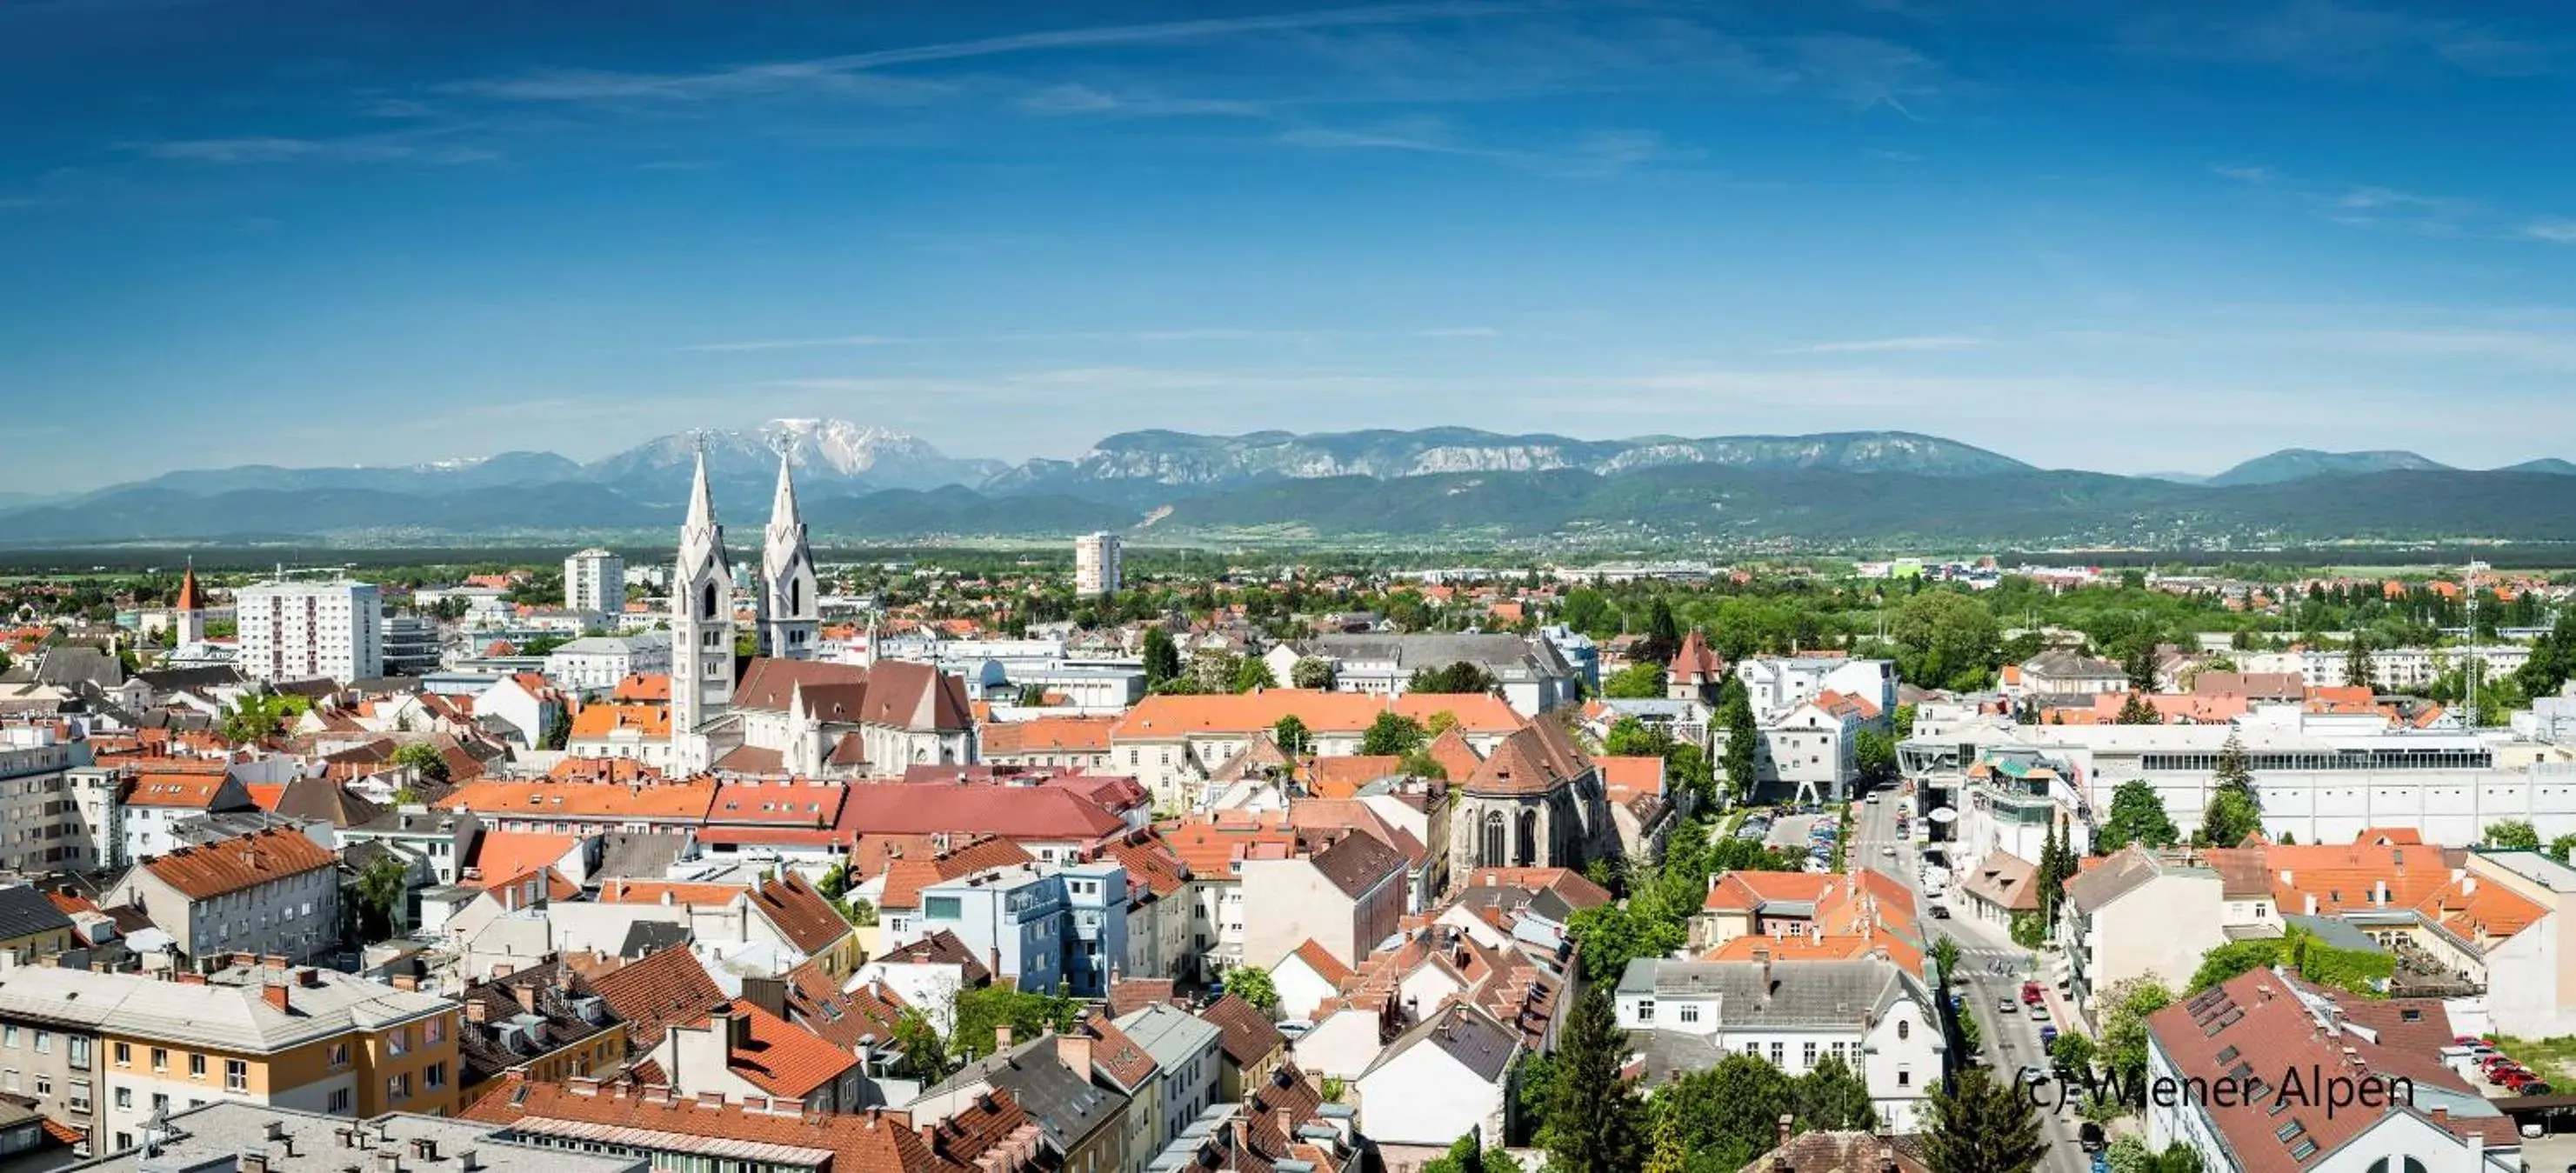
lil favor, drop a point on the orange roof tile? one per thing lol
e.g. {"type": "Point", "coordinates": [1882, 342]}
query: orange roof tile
{"type": "Point", "coordinates": [1325, 965]}
{"type": "Point", "coordinates": [1048, 735]}
{"type": "Point", "coordinates": [674, 892]}
{"type": "Point", "coordinates": [492, 797]}
{"type": "Point", "coordinates": [246, 861]}
{"type": "Point", "coordinates": [643, 687]}
{"type": "Point", "coordinates": [507, 855]}
{"type": "Point", "coordinates": [1342, 777]}
{"type": "Point", "coordinates": [643, 720]}
{"type": "Point", "coordinates": [195, 791]}
{"type": "Point", "coordinates": [906, 877]}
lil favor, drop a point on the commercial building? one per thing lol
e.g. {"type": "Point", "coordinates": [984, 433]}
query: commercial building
{"type": "Point", "coordinates": [304, 630]}
{"type": "Point", "coordinates": [1096, 564]}
{"type": "Point", "coordinates": [271, 1139]}
{"type": "Point", "coordinates": [595, 580]}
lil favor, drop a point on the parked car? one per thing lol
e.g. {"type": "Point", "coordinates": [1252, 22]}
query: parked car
{"type": "Point", "coordinates": [1940, 912]}
{"type": "Point", "coordinates": [2004, 1004]}
{"type": "Point", "coordinates": [2047, 1034]}
{"type": "Point", "coordinates": [2039, 1011]}
{"type": "Point", "coordinates": [2030, 994]}
{"type": "Point", "coordinates": [2537, 1087]}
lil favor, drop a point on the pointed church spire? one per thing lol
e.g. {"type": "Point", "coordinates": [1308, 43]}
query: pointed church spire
{"type": "Point", "coordinates": [702, 502]}
{"type": "Point", "coordinates": [790, 614]}
{"type": "Point", "coordinates": [782, 507]}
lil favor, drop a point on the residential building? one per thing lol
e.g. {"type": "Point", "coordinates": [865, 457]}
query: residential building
{"type": "Point", "coordinates": [1189, 1053]}
{"type": "Point", "coordinates": [2273, 1042]}
{"type": "Point", "coordinates": [684, 1133]}
{"type": "Point", "coordinates": [411, 645]}
{"type": "Point", "coordinates": [31, 926]}
{"type": "Point", "coordinates": [1076, 742]}
{"type": "Point", "coordinates": [107, 1051]}
{"type": "Point", "coordinates": [2066, 673]}
{"type": "Point", "coordinates": [1810, 747]}
{"type": "Point", "coordinates": [1346, 894]}
{"type": "Point", "coordinates": [156, 797]}
{"type": "Point", "coordinates": [305, 630]}
{"type": "Point", "coordinates": [1096, 565]}
{"type": "Point", "coordinates": [1774, 683]}
{"type": "Point", "coordinates": [1529, 673]}
{"type": "Point", "coordinates": [596, 663]}
{"type": "Point", "coordinates": [1082, 1122]}
{"type": "Point", "coordinates": [634, 732]}
{"type": "Point", "coordinates": [1870, 1013]}
{"type": "Point", "coordinates": [1174, 745]}
{"type": "Point", "coordinates": [2497, 921]}
{"type": "Point", "coordinates": [595, 580]}
{"type": "Point", "coordinates": [1036, 925]}
{"type": "Point", "coordinates": [2135, 915]}
{"type": "Point", "coordinates": [273, 892]}
{"type": "Point", "coordinates": [40, 805]}
{"type": "Point", "coordinates": [1251, 1047]}
{"type": "Point", "coordinates": [741, 1050]}
{"type": "Point", "coordinates": [1842, 1152]}
{"type": "Point", "coordinates": [1445, 1077]}
{"type": "Point", "coordinates": [541, 1022]}
{"type": "Point", "coordinates": [228, 1134]}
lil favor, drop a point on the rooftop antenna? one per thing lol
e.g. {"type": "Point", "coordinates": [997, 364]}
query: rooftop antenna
{"type": "Point", "coordinates": [2476, 660]}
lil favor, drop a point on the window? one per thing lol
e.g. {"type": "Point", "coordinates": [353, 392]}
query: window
{"type": "Point", "coordinates": [44, 1085]}
{"type": "Point", "coordinates": [160, 1059]}
{"type": "Point", "coordinates": [432, 1031]}
{"type": "Point", "coordinates": [1646, 1010]}
{"type": "Point", "coordinates": [1905, 1077]}
{"type": "Point", "coordinates": [124, 1098]}
{"type": "Point", "coordinates": [124, 1141]}
{"type": "Point", "coordinates": [1807, 1054]}
{"type": "Point", "coordinates": [398, 1040]}
{"type": "Point", "coordinates": [77, 1049]}
{"type": "Point", "coordinates": [1689, 1013]}
{"type": "Point", "coordinates": [236, 1075]}
{"type": "Point", "coordinates": [80, 1095]}
{"type": "Point", "coordinates": [196, 1066]}
{"type": "Point", "coordinates": [434, 1075]}
{"type": "Point", "coordinates": [339, 1054]}
{"type": "Point", "coordinates": [44, 1042]}
{"type": "Point", "coordinates": [1779, 1053]}
{"type": "Point", "coordinates": [339, 1101]}
{"type": "Point", "coordinates": [940, 908]}
{"type": "Point", "coordinates": [125, 1054]}
{"type": "Point", "coordinates": [8, 1081]}
{"type": "Point", "coordinates": [398, 1087]}
{"type": "Point", "coordinates": [9, 1035]}
{"type": "Point", "coordinates": [160, 1101]}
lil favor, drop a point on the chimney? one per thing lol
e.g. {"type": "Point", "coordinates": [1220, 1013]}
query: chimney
{"type": "Point", "coordinates": [1002, 1038]}
{"type": "Point", "coordinates": [1786, 1120]}
{"type": "Point", "coordinates": [737, 1027]}
{"type": "Point", "coordinates": [477, 1012]}
{"type": "Point", "coordinates": [582, 1085]}
{"type": "Point", "coordinates": [252, 1161]}
{"type": "Point", "coordinates": [275, 1131]}
{"type": "Point", "coordinates": [2286, 881]}
{"type": "Point", "coordinates": [2469, 884]}
{"type": "Point", "coordinates": [465, 1161]}
{"type": "Point", "coordinates": [273, 960]}
{"type": "Point", "coordinates": [2312, 904]}
{"type": "Point", "coordinates": [275, 996]}
{"type": "Point", "coordinates": [406, 983]}
{"type": "Point", "coordinates": [527, 997]}
{"type": "Point", "coordinates": [388, 1161]}
{"type": "Point", "coordinates": [424, 1148]}
{"type": "Point", "coordinates": [1886, 1157]}
{"type": "Point", "coordinates": [711, 1099]}
{"type": "Point", "coordinates": [2441, 1116]}
{"type": "Point", "coordinates": [1075, 1051]}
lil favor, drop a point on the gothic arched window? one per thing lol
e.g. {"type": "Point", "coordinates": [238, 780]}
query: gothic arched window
{"type": "Point", "coordinates": [1493, 854]}
{"type": "Point", "coordinates": [707, 601]}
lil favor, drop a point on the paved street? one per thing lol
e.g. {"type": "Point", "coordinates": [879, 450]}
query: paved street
{"type": "Point", "coordinates": [2010, 1039]}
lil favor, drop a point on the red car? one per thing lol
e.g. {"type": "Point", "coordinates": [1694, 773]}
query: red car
{"type": "Point", "coordinates": [2030, 995]}
{"type": "Point", "coordinates": [2466, 1041]}
{"type": "Point", "coordinates": [2516, 1078]}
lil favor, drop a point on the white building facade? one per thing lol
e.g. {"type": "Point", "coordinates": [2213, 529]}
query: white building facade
{"type": "Point", "coordinates": [1096, 565]}
{"type": "Point", "coordinates": [595, 580]}
{"type": "Point", "coordinates": [305, 630]}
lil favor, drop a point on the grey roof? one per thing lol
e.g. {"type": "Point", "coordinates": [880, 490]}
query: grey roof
{"type": "Point", "coordinates": [1805, 993]}
{"type": "Point", "coordinates": [217, 826]}
{"type": "Point", "coordinates": [638, 855]}
{"type": "Point", "coordinates": [1170, 1034]}
{"type": "Point", "coordinates": [1066, 1106]}
{"type": "Point", "coordinates": [1478, 1043]}
{"type": "Point", "coordinates": [1358, 863]}
{"type": "Point", "coordinates": [2335, 931]}
{"type": "Point", "coordinates": [214, 1139]}
{"type": "Point", "coordinates": [1502, 655]}
{"type": "Point", "coordinates": [190, 679]}
{"type": "Point", "coordinates": [647, 937]}
{"type": "Point", "coordinates": [1666, 1053]}
{"type": "Point", "coordinates": [2065, 665]}
{"type": "Point", "coordinates": [75, 663]}
{"type": "Point", "coordinates": [228, 1012]}
{"type": "Point", "coordinates": [25, 911]}
{"type": "Point", "coordinates": [2125, 872]}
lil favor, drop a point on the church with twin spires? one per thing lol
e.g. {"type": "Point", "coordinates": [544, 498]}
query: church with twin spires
{"type": "Point", "coordinates": [784, 713]}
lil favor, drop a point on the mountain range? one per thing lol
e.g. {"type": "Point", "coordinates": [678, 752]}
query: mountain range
{"type": "Point", "coordinates": [1436, 484]}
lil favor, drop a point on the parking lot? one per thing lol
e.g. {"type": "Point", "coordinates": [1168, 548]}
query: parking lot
{"type": "Point", "coordinates": [1793, 833]}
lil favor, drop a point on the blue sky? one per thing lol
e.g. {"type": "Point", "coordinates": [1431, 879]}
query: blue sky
{"type": "Point", "coordinates": [324, 233]}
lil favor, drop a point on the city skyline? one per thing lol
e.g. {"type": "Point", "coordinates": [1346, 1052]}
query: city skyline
{"type": "Point", "coordinates": [395, 236]}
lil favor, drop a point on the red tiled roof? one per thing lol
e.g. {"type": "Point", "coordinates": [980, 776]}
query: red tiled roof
{"type": "Point", "coordinates": [657, 992]}
{"type": "Point", "coordinates": [194, 791]}
{"type": "Point", "coordinates": [653, 892]}
{"type": "Point", "coordinates": [941, 948]}
{"type": "Point", "coordinates": [1041, 813]}
{"type": "Point", "coordinates": [796, 804]}
{"type": "Point", "coordinates": [905, 878]}
{"type": "Point", "coordinates": [1342, 777]}
{"type": "Point", "coordinates": [1149, 861]}
{"type": "Point", "coordinates": [1116, 1055]}
{"type": "Point", "coordinates": [509, 854]}
{"type": "Point", "coordinates": [1325, 965]}
{"type": "Point", "coordinates": [800, 913]}
{"type": "Point", "coordinates": [1246, 1032]}
{"type": "Point", "coordinates": [238, 863]}
{"type": "Point", "coordinates": [861, 1142]}
{"type": "Point", "coordinates": [1576, 889]}
{"type": "Point", "coordinates": [1047, 735]}
{"type": "Point", "coordinates": [778, 1056]}
{"type": "Point", "coordinates": [494, 798]}
{"type": "Point", "coordinates": [1538, 759]}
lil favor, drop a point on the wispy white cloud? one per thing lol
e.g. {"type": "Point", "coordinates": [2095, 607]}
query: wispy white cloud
{"type": "Point", "coordinates": [2555, 231]}
{"type": "Point", "coordinates": [1597, 155]}
{"type": "Point", "coordinates": [360, 149]}
{"type": "Point", "coordinates": [2341, 40]}
{"type": "Point", "coordinates": [2257, 175]}
{"type": "Point", "coordinates": [847, 72]}
{"type": "Point", "coordinates": [761, 344]}
{"type": "Point", "coordinates": [1918, 343]}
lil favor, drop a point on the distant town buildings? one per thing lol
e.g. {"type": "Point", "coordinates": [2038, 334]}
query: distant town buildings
{"type": "Point", "coordinates": [595, 580]}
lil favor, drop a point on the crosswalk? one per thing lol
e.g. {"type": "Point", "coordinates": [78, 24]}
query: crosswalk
{"type": "Point", "coordinates": [1992, 960]}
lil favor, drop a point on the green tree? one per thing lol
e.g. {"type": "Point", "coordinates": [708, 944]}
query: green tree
{"type": "Point", "coordinates": [1904, 722]}
{"type": "Point", "coordinates": [924, 1053]}
{"type": "Point", "coordinates": [2127, 1003]}
{"type": "Point", "coordinates": [1612, 935]}
{"type": "Point", "coordinates": [1253, 984]}
{"type": "Point", "coordinates": [2513, 835]}
{"type": "Point", "coordinates": [1418, 763]}
{"type": "Point", "coordinates": [1668, 1153]}
{"type": "Point", "coordinates": [1945, 639]}
{"type": "Point", "coordinates": [1592, 1119]}
{"type": "Point", "coordinates": [1630, 737]}
{"type": "Point", "coordinates": [255, 718]}
{"type": "Point", "coordinates": [2230, 818]}
{"type": "Point", "coordinates": [1729, 1113]}
{"type": "Point", "coordinates": [1831, 1097]}
{"type": "Point", "coordinates": [2235, 771]}
{"type": "Point", "coordinates": [1312, 672]}
{"type": "Point", "coordinates": [1643, 680]}
{"type": "Point", "coordinates": [1874, 755]}
{"type": "Point", "coordinates": [2560, 847]}
{"type": "Point", "coordinates": [383, 889]}
{"type": "Point", "coordinates": [2137, 816]}
{"type": "Point", "coordinates": [1533, 1084]}
{"type": "Point", "coordinates": [980, 1011]}
{"type": "Point", "coordinates": [1162, 657]}
{"type": "Point", "coordinates": [2359, 669]}
{"type": "Point", "coordinates": [1458, 677]}
{"type": "Point", "coordinates": [1945, 958]}
{"type": "Point", "coordinates": [2073, 1051]}
{"type": "Point", "coordinates": [1392, 734]}
{"type": "Point", "coordinates": [2028, 930]}
{"type": "Point", "coordinates": [2231, 960]}
{"type": "Point", "coordinates": [1663, 634]}
{"type": "Point", "coordinates": [1982, 1125]}
{"type": "Point", "coordinates": [1293, 737]}
{"type": "Point", "coordinates": [1465, 1157]}
{"type": "Point", "coordinates": [2137, 710]}
{"type": "Point", "coordinates": [423, 759]}
{"type": "Point", "coordinates": [1251, 673]}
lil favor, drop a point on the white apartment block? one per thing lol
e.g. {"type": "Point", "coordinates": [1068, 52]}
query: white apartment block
{"type": "Point", "coordinates": [1773, 683]}
{"type": "Point", "coordinates": [595, 580]}
{"type": "Point", "coordinates": [41, 831]}
{"type": "Point", "coordinates": [1096, 564]}
{"type": "Point", "coordinates": [2392, 669]}
{"type": "Point", "coordinates": [303, 630]}
{"type": "Point", "coordinates": [596, 663]}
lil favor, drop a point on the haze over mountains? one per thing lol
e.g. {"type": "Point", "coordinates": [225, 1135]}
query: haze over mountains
{"type": "Point", "coordinates": [1452, 484]}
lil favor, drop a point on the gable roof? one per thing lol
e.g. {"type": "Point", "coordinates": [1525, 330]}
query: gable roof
{"type": "Point", "coordinates": [656, 992]}
{"type": "Point", "coordinates": [800, 912]}
{"type": "Point", "coordinates": [1056, 735]}
{"type": "Point", "coordinates": [941, 948]}
{"type": "Point", "coordinates": [1041, 813]}
{"type": "Point", "coordinates": [1357, 863]}
{"type": "Point", "coordinates": [1537, 759]}
{"type": "Point", "coordinates": [246, 861]}
{"type": "Point", "coordinates": [855, 1142]}
{"type": "Point", "coordinates": [906, 877]}
{"type": "Point", "coordinates": [25, 912]}
{"type": "Point", "coordinates": [506, 855]}
{"type": "Point", "coordinates": [776, 1055]}
{"type": "Point", "coordinates": [493, 797]}
{"type": "Point", "coordinates": [1243, 1030]}
{"type": "Point", "coordinates": [1466, 1035]}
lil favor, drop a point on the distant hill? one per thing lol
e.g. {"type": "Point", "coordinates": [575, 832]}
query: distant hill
{"type": "Point", "coordinates": [2296, 464]}
{"type": "Point", "coordinates": [1409, 488]}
